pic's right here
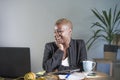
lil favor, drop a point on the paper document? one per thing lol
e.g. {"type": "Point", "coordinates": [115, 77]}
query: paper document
{"type": "Point", "coordinates": [73, 76]}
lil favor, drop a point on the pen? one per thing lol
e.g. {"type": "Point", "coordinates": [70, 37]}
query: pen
{"type": "Point", "coordinates": [67, 75]}
{"type": "Point", "coordinates": [72, 71]}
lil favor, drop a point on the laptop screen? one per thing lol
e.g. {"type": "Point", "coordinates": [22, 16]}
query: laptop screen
{"type": "Point", "coordinates": [14, 61]}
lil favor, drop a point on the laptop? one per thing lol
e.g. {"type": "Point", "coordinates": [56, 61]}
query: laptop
{"type": "Point", "coordinates": [14, 61]}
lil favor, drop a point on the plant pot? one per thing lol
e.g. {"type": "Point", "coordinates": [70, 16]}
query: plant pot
{"type": "Point", "coordinates": [110, 52]}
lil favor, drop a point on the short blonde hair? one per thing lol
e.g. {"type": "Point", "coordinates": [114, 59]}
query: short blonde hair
{"type": "Point", "coordinates": [64, 21]}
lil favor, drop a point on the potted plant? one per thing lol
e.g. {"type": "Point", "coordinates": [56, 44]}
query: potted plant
{"type": "Point", "coordinates": [106, 28]}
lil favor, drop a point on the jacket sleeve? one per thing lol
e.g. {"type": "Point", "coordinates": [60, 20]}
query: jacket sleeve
{"type": "Point", "coordinates": [83, 54]}
{"type": "Point", "coordinates": [51, 59]}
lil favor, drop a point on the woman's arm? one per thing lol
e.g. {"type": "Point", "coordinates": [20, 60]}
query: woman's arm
{"type": "Point", "coordinates": [51, 60]}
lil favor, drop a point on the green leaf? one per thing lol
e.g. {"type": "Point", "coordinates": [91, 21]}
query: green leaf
{"type": "Point", "coordinates": [110, 17]}
{"type": "Point", "coordinates": [105, 16]}
{"type": "Point", "coordinates": [117, 17]}
{"type": "Point", "coordinates": [114, 14]}
{"type": "Point", "coordinates": [98, 25]}
{"type": "Point", "coordinates": [93, 38]}
{"type": "Point", "coordinates": [117, 26]}
{"type": "Point", "coordinates": [99, 16]}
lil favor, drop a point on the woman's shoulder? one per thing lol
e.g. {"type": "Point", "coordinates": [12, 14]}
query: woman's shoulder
{"type": "Point", "coordinates": [78, 40]}
{"type": "Point", "coordinates": [50, 44]}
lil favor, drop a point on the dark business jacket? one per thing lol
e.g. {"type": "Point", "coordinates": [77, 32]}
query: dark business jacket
{"type": "Point", "coordinates": [53, 56]}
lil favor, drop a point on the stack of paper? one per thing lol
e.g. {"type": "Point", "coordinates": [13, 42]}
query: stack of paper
{"type": "Point", "coordinates": [73, 76]}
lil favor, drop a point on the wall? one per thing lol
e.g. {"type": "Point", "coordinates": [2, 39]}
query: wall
{"type": "Point", "coordinates": [30, 23]}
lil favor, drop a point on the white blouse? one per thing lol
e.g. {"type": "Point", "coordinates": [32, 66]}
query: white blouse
{"type": "Point", "coordinates": [65, 62]}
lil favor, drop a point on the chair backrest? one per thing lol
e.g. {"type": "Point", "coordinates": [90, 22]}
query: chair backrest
{"type": "Point", "coordinates": [14, 61]}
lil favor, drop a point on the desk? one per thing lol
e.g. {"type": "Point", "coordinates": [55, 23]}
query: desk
{"type": "Point", "coordinates": [99, 76]}
{"type": "Point", "coordinates": [108, 61]}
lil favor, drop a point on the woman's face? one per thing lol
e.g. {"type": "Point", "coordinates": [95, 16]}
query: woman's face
{"type": "Point", "coordinates": [62, 33]}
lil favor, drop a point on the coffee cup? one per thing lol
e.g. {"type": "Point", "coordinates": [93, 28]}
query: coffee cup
{"type": "Point", "coordinates": [88, 65]}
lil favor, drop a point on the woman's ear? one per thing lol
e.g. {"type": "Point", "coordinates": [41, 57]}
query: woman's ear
{"type": "Point", "coordinates": [70, 31]}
